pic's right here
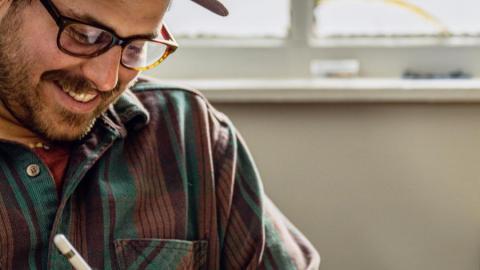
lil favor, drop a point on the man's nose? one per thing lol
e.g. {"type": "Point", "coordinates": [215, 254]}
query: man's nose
{"type": "Point", "coordinates": [103, 70]}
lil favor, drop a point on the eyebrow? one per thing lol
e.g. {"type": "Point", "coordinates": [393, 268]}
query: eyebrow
{"type": "Point", "coordinates": [86, 18]}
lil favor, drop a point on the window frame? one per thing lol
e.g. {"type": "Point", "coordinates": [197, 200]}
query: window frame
{"type": "Point", "coordinates": [291, 57]}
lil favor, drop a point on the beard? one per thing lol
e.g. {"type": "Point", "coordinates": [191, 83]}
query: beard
{"type": "Point", "coordinates": [24, 99]}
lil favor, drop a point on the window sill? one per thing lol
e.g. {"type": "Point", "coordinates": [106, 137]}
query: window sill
{"type": "Point", "coordinates": [336, 90]}
{"type": "Point", "coordinates": [399, 42]}
{"type": "Point", "coordinates": [232, 42]}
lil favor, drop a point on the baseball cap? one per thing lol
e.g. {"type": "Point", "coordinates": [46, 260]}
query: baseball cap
{"type": "Point", "coordinates": [214, 6]}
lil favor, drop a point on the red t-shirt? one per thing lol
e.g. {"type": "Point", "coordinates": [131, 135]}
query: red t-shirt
{"type": "Point", "coordinates": [56, 158]}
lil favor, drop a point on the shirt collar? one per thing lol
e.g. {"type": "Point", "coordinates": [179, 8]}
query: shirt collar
{"type": "Point", "coordinates": [125, 115]}
{"type": "Point", "coordinates": [130, 111]}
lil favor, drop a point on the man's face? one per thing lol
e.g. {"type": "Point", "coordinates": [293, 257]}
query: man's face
{"type": "Point", "coordinates": [56, 95]}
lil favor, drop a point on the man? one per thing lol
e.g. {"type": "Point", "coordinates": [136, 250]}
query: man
{"type": "Point", "coordinates": [135, 174]}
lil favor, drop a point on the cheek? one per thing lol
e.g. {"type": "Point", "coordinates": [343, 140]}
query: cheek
{"type": "Point", "coordinates": [126, 76]}
{"type": "Point", "coordinates": [39, 46]}
{"type": "Point", "coordinates": [45, 56]}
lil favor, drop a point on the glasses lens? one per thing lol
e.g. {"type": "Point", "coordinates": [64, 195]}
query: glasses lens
{"type": "Point", "coordinates": [84, 40]}
{"type": "Point", "coordinates": [144, 54]}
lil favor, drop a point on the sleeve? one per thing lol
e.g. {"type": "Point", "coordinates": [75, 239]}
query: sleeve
{"type": "Point", "coordinates": [254, 234]}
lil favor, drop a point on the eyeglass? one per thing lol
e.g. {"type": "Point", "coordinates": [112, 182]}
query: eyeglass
{"type": "Point", "coordinates": [88, 40]}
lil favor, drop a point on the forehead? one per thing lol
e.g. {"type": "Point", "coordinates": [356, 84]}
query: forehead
{"type": "Point", "coordinates": [126, 17]}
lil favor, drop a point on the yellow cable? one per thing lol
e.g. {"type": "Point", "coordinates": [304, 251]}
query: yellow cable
{"type": "Point", "coordinates": [412, 8]}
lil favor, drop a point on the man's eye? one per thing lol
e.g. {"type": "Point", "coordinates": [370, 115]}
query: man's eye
{"type": "Point", "coordinates": [79, 36]}
{"type": "Point", "coordinates": [135, 50]}
{"type": "Point", "coordinates": [135, 53]}
{"type": "Point", "coordinates": [88, 36]}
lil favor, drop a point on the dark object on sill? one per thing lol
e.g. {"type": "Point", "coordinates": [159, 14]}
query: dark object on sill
{"type": "Point", "coordinates": [457, 74]}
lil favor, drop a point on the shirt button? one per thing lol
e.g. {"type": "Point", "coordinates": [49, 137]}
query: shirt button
{"type": "Point", "coordinates": [33, 170]}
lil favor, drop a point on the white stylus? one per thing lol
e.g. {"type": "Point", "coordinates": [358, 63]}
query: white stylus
{"type": "Point", "coordinates": [70, 252]}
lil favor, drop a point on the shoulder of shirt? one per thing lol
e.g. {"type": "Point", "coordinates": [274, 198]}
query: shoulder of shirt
{"type": "Point", "coordinates": [146, 86]}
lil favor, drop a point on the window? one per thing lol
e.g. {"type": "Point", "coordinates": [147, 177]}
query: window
{"type": "Point", "coordinates": [278, 39]}
{"type": "Point", "coordinates": [247, 19]}
{"type": "Point", "coordinates": [380, 18]}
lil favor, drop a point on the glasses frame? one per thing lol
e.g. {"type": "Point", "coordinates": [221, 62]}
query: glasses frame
{"type": "Point", "coordinates": [63, 21]}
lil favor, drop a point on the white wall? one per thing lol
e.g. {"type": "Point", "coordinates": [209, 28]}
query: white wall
{"type": "Point", "coordinates": [374, 186]}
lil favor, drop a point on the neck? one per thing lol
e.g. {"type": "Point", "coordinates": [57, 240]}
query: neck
{"type": "Point", "coordinates": [12, 130]}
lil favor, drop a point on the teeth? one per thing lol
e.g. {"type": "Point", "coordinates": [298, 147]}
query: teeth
{"type": "Point", "coordinates": [84, 97]}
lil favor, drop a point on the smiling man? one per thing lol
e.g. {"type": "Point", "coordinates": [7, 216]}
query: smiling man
{"type": "Point", "coordinates": [136, 175]}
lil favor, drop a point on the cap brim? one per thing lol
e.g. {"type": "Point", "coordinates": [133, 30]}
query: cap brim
{"type": "Point", "coordinates": [214, 6]}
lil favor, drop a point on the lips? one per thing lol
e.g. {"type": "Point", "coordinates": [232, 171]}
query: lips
{"type": "Point", "coordinates": [83, 97]}
{"type": "Point", "coordinates": [75, 102]}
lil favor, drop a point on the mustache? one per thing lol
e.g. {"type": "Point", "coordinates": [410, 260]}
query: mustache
{"type": "Point", "coordinates": [76, 83]}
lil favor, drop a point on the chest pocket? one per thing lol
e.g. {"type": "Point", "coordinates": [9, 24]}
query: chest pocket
{"type": "Point", "coordinates": [160, 254]}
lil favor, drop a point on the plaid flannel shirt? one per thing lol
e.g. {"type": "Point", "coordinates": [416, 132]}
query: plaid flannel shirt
{"type": "Point", "coordinates": [163, 181]}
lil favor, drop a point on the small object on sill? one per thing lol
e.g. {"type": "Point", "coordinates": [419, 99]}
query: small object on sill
{"type": "Point", "coordinates": [344, 68]}
{"type": "Point", "coordinates": [456, 74]}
